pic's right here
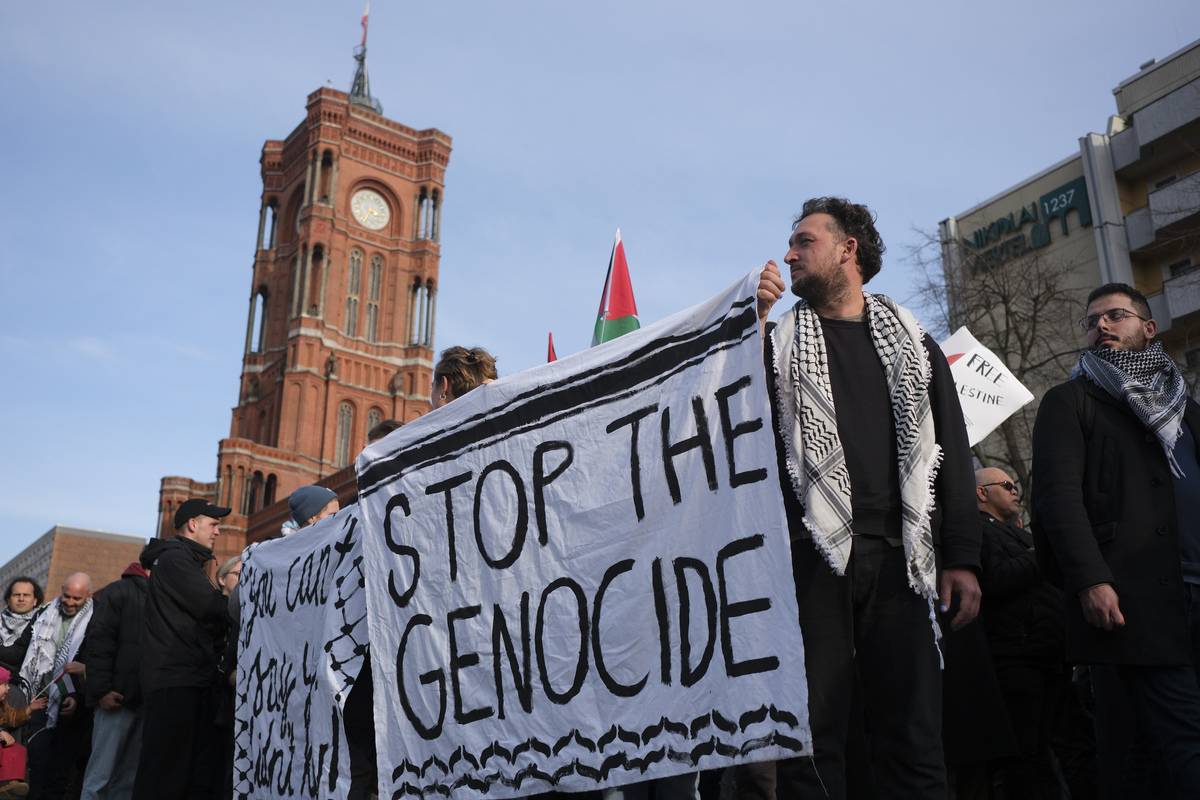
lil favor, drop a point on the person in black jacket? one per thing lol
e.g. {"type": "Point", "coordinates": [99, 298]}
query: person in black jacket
{"type": "Point", "coordinates": [114, 656]}
{"type": "Point", "coordinates": [186, 623]}
{"type": "Point", "coordinates": [1116, 519]}
{"type": "Point", "coordinates": [881, 536]}
{"type": "Point", "coordinates": [1022, 617]}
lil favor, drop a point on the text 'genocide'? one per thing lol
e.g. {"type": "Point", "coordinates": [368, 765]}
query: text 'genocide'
{"type": "Point", "coordinates": [690, 591]}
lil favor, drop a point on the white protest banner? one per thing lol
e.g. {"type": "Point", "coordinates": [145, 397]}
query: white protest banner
{"type": "Point", "coordinates": [988, 391]}
{"type": "Point", "coordinates": [580, 576]}
{"type": "Point", "coordinates": [301, 644]}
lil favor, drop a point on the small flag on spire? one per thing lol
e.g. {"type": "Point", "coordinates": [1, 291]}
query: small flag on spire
{"type": "Point", "coordinates": [366, 13]}
{"type": "Point", "coordinates": [618, 312]}
{"type": "Point", "coordinates": [551, 356]}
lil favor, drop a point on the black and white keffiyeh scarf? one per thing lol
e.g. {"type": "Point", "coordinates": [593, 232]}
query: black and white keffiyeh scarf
{"type": "Point", "coordinates": [44, 659]}
{"type": "Point", "coordinates": [815, 460]}
{"type": "Point", "coordinates": [1149, 382]}
{"type": "Point", "coordinates": [12, 625]}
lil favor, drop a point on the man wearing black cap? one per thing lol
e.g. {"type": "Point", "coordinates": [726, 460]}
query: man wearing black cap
{"type": "Point", "coordinates": [186, 622]}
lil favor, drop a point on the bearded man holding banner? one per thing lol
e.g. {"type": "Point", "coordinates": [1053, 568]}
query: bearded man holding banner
{"type": "Point", "coordinates": [878, 487]}
{"type": "Point", "coordinates": [1116, 522]}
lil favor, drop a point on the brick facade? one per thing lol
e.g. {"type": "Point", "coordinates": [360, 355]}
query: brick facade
{"type": "Point", "coordinates": [61, 551]}
{"type": "Point", "coordinates": [341, 311]}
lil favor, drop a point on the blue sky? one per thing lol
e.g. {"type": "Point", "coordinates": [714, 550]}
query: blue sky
{"type": "Point", "coordinates": [132, 133]}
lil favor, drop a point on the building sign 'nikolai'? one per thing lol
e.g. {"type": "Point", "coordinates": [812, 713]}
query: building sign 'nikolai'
{"type": "Point", "coordinates": [1006, 238]}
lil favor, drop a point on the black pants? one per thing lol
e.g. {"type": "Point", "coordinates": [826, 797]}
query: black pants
{"type": "Point", "coordinates": [180, 751]}
{"type": "Point", "coordinates": [360, 735]}
{"type": "Point", "coordinates": [1033, 694]}
{"type": "Point", "coordinates": [58, 756]}
{"type": "Point", "coordinates": [1148, 724]}
{"type": "Point", "coordinates": [867, 627]}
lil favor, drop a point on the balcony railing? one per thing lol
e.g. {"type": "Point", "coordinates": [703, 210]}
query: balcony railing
{"type": "Point", "coordinates": [1139, 229]}
{"type": "Point", "coordinates": [1183, 294]}
{"type": "Point", "coordinates": [1176, 201]}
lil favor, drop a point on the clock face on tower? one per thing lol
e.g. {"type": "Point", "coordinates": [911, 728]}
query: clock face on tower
{"type": "Point", "coordinates": [370, 209]}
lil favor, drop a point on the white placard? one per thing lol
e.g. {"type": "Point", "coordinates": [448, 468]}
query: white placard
{"type": "Point", "coordinates": [988, 391]}
{"type": "Point", "coordinates": [301, 644]}
{"type": "Point", "coordinates": [580, 575]}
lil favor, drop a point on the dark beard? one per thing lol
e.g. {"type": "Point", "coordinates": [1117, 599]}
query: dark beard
{"type": "Point", "coordinates": [820, 290]}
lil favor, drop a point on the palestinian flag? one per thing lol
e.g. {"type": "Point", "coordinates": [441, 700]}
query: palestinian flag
{"type": "Point", "coordinates": [618, 312]}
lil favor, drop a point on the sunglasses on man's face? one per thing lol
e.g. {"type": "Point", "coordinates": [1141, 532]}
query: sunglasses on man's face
{"type": "Point", "coordinates": [1008, 486]}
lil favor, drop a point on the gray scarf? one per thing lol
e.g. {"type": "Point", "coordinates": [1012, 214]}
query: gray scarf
{"type": "Point", "coordinates": [815, 460]}
{"type": "Point", "coordinates": [1149, 383]}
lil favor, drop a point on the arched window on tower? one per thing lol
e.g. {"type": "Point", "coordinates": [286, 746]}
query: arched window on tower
{"type": "Point", "coordinates": [325, 190]}
{"type": "Point", "coordinates": [374, 417]}
{"type": "Point", "coordinates": [272, 222]}
{"type": "Point", "coordinates": [256, 486]}
{"type": "Point", "coordinates": [258, 321]}
{"type": "Point", "coordinates": [269, 490]}
{"type": "Point", "coordinates": [419, 213]}
{"type": "Point", "coordinates": [375, 290]}
{"type": "Point", "coordinates": [316, 281]}
{"type": "Point", "coordinates": [353, 284]}
{"type": "Point", "coordinates": [297, 301]}
{"type": "Point", "coordinates": [345, 425]}
{"type": "Point", "coordinates": [434, 214]}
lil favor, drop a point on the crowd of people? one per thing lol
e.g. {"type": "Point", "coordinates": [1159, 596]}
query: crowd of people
{"type": "Point", "coordinates": [956, 643]}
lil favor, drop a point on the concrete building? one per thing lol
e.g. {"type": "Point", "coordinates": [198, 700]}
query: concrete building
{"type": "Point", "coordinates": [62, 550]}
{"type": "Point", "coordinates": [342, 307]}
{"type": "Point", "coordinates": [1124, 206]}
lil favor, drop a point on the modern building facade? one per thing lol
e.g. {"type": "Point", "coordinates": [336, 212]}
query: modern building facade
{"type": "Point", "coordinates": [63, 550]}
{"type": "Point", "coordinates": [342, 308]}
{"type": "Point", "coordinates": [1125, 206]}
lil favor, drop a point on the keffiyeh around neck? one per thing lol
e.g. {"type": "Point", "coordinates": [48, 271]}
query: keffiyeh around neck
{"type": "Point", "coordinates": [1149, 382]}
{"type": "Point", "coordinates": [12, 625]}
{"type": "Point", "coordinates": [815, 459]}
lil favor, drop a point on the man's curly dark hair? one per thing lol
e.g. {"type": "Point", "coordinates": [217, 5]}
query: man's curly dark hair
{"type": "Point", "coordinates": [852, 220]}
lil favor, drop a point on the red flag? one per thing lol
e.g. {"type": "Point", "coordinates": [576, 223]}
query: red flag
{"type": "Point", "coordinates": [366, 13]}
{"type": "Point", "coordinates": [550, 354]}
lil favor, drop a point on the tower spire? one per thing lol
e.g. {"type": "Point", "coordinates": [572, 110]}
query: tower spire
{"type": "Point", "coordinates": [360, 88]}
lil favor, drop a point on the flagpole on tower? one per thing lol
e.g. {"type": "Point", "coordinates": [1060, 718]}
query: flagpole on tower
{"type": "Point", "coordinates": [360, 88]}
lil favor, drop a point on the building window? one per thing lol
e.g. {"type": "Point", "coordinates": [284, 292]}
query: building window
{"type": "Point", "coordinates": [257, 329]}
{"type": "Point", "coordinates": [374, 417]}
{"type": "Point", "coordinates": [353, 288]}
{"type": "Point", "coordinates": [1181, 268]}
{"type": "Point", "coordinates": [256, 485]}
{"type": "Point", "coordinates": [374, 291]}
{"type": "Point", "coordinates": [345, 422]}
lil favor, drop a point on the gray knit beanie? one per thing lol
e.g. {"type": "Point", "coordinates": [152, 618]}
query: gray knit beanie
{"type": "Point", "coordinates": [307, 501]}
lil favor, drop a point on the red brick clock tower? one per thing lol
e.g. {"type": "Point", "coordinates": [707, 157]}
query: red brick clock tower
{"type": "Point", "coordinates": [343, 299]}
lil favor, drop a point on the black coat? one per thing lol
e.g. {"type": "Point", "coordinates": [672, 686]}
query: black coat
{"type": "Point", "coordinates": [1022, 612]}
{"type": "Point", "coordinates": [114, 640]}
{"type": "Point", "coordinates": [1104, 512]}
{"type": "Point", "coordinates": [186, 619]}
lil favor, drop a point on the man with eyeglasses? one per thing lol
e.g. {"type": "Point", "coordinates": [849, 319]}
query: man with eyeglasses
{"type": "Point", "coordinates": [1116, 502]}
{"type": "Point", "coordinates": [1022, 618]}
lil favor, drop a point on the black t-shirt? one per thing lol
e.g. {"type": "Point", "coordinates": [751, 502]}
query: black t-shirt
{"type": "Point", "coordinates": [866, 427]}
